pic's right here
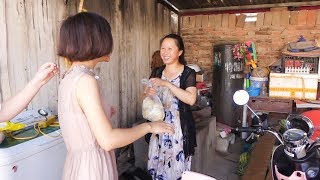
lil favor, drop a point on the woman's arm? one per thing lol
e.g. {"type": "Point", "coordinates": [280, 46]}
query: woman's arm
{"type": "Point", "coordinates": [107, 137]}
{"type": "Point", "coordinates": [188, 96]}
{"type": "Point", "coordinates": [13, 106]}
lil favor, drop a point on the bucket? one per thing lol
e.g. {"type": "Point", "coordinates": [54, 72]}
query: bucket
{"type": "Point", "coordinates": [253, 91]}
{"type": "Point", "coordinates": [257, 81]}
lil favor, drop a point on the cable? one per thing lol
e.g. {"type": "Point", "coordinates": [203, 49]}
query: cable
{"type": "Point", "coordinates": [39, 129]}
{"type": "Point", "coordinates": [25, 138]}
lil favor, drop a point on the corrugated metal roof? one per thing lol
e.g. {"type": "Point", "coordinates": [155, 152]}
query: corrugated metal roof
{"type": "Point", "coordinates": [187, 6]}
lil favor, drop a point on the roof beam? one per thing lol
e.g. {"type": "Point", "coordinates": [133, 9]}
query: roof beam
{"type": "Point", "coordinates": [169, 5]}
{"type": "Point", "coordinates": [249, 7]}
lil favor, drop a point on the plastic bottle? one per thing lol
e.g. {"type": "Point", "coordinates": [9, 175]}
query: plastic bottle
{"type": "Point", "coordinates": [247, 80]}
{"type": "Point", "coordinates": [264, 90]}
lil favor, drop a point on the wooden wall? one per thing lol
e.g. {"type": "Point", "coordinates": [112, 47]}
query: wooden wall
{"type": "Point", "coordinates": [27, 40]}
{"type": "Point", "coordinates": [28, 33]}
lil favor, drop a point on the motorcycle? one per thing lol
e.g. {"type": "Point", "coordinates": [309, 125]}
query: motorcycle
{"type": "Point", "coordinates": [298, 156]}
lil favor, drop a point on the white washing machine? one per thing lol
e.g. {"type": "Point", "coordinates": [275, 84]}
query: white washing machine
{"type": "Point", "coordinates": [41, 158]}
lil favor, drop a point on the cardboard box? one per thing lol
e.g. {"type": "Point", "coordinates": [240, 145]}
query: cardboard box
{"type": "Point", "coordinates": [296, 86]}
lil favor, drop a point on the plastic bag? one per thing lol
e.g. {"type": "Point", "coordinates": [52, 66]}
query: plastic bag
{"type": "Point", "coordinates": [152, 108]}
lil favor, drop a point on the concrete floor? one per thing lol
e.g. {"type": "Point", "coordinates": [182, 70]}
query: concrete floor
{"type": "Point", "coordinates": [222, 166]}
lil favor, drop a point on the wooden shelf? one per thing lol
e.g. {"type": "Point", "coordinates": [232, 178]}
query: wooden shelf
{"type": "Point", "coordinates": [270, 104]}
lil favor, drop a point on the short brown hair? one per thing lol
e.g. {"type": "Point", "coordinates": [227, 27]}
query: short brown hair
{"type": "Point", "coordinates": [85, 36]}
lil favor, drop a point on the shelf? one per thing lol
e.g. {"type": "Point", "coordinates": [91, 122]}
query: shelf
{"type": "Point", "coordinates": [314, 53]}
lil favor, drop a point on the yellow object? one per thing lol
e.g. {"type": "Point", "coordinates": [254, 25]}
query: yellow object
{"type": "Point", "coordinates": [81, 9]}
{"type": "Point", "coordinates": [253, 64]}
{"type": "Point", "coordinates": [50, 120]}
{"type": "Point", "coordinates": [25, 138]}
{"type": "Point", "coordinates": [12, 126]}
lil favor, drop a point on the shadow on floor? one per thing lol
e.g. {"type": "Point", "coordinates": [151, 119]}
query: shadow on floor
{"type": "Point", "coordinates": [224, 166]}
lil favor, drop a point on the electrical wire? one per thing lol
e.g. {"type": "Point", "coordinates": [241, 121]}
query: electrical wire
{"type": "Point", "coordinates": [25, 138]}
{"type": "Point", "coordinates": [38, 131]}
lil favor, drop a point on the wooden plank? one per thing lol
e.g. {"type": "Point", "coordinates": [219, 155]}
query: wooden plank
{"type": "Point", "coordinates": [260, 19]}
{"type": "Point", "coordinates": [5, 92]}
{"type": "Point", "coordinates": [225, 20]}
{"type": "Point", "coordinates": [285, 17]}
{"type": "Point", "coordinates": [217, 20]}
{"type": "Point", "coordinates": [241, 20]}
{"type": "Point", "coordinates": [232, 21]}
{"type": "Point", "coordinates": [267, 19]}
{"type": "Point", "coordinates": [279, 9]}
{"type": "Point", "coordinates": [211, 21]}
{"type": "Point", "coordinates": [198, 21]}
{"type": "Point", "coordinates": [30, 41]}
{"type": "Point", "coordinates": [192, 21]}
{"type": "Point", "coordinates": [302, 17]}
{"type": "Point", "coordinates": [46, 21]}
{"type": "Point", "coordinates": [174, 22]}
{"type": "Point", "coordinates": [294, 17]}
{"type": "Point", "coordinates": [318, 17]}
{"type": "Point", "coordinates": [205, 21]}
{"type": "Point", "coordinates": [311, 17]}
{"type": "Point", "coordinates": [185, 21]}
{"type": "Point", "coordinates": [17, 40]}
{"type": "Point", "coordinates": [275, 18]}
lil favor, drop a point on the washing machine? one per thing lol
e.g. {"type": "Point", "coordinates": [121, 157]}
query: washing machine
{"type": "Point", "coordinates": [40, 158]}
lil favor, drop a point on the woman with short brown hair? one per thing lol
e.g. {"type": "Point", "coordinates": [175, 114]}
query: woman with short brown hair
{"type": "Point", "coordinates": [84, 116]}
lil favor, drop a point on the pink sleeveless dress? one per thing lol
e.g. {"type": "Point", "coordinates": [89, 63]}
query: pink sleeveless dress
{"type": "Point", "coordinates": [85, 160]}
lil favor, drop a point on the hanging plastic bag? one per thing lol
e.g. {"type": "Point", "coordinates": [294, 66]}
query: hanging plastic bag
{"type": "Point", "coordinates": [152, 108]}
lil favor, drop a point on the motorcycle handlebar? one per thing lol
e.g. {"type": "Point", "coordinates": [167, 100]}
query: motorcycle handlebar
{"type": "Point", "coordinates": [257, 131]}
{"type": "Point", "coordinates": [246, 129]}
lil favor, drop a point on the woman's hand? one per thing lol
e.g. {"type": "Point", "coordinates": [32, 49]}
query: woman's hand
{"type": "Point", "coordinates": [159, 82]}
{"type": "Point", "coordinates": [149, 91]}
{"type": "Point", "coordinates": [45, 73]}
{"type": "Point", "coordinates": [158, 127]}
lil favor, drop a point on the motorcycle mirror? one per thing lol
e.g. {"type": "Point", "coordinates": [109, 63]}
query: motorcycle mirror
{"type": "Point", "coordinates": [241, 97]}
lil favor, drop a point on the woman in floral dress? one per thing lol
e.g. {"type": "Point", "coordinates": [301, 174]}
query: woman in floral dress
{"type": "Point", "coordinates": [170, 154]}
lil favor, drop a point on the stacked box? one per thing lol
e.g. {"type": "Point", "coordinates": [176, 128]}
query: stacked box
{"type": "Point", "coordinates": [296, 86]}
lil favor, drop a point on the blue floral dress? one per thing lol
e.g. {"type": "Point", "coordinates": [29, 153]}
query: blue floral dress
{"type": "Point", "coordinates": [166, 160]}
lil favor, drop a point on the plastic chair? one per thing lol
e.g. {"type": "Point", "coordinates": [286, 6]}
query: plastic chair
{"type": "Point", "coordinates": [188, 175]}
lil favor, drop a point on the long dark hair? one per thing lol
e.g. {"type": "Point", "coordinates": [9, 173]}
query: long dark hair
{"type": "Point", "coordinates": [180, 45]}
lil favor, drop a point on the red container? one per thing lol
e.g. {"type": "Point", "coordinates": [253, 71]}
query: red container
{"type": "Point", "coordinates": [314, 116]}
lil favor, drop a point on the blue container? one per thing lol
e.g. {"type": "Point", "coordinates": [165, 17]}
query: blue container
{"type": "Point", "coordinates": [257, 81]}
{"type": "Point", "coordinates": [253, 91]}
